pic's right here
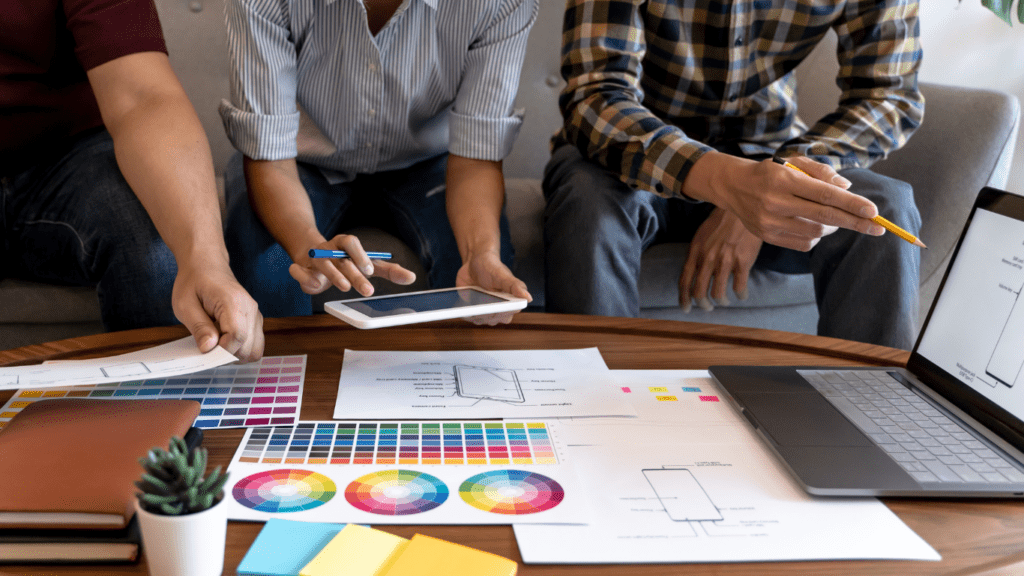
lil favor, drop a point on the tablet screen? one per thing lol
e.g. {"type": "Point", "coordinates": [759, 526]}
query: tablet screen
{"type": "Point", "coordinates": [408, 304]}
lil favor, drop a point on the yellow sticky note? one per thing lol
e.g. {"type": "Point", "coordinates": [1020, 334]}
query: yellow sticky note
{"type": "Point", "coordinates": [426, 556]}
{"type": "Point", "coordinates": [356, 551]}
{"type": "Point", "coordinates": [667, 398]}
{"type": "Point", "coordinates": [657, 389]}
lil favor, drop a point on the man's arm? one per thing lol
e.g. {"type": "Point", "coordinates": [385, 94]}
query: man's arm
{"type": "Point", "coordinates": [880, 107]}
{"type": "Point", "coordinates": [163, 153]}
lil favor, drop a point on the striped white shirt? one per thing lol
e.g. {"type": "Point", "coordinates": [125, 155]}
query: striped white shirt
{"type": "Point", "coordinates": [309, 81]}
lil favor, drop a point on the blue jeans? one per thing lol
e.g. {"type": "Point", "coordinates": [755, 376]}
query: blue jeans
{"type": "Point", "coordinates": [72, 219]}
{"type": "Point", "coordinates": [407, 203]}
{"type": "Point", "coordinates": [596, 229]}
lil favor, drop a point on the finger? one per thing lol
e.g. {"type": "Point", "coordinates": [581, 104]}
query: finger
{"type": "Point", "coordinates": [354, 275]}
{"type": "Point", "coordinates": [820, 215]}
{"type": "Point", "coordinates": [199, 324]}
{"type": "Point", "coordinates": [720, 285]}
{"type": "Point", "coordinates": [258, 339]}
{"type": "Point", "coordinates": [356, 253]}
{"type": "Point", "coordinates": [329, 270]}
{"type": "Point", "coordinates": [311, 281]}
{"type": "Point", "coordinates": [394, 273]}
{"type": "Point", "coordinates": [702, 284]}
{"type": "Point", "coordinates": [740, 275]}
{"type": "Point", "coordinates": [518, 289]}
{"type": "Point", "coordinates": [819, 171]}
{"type": "Point", "coordinates": [686, 280]}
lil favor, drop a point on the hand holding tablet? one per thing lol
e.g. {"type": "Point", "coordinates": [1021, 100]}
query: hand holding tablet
{"type": "Point", "coordinates": [426, 306]}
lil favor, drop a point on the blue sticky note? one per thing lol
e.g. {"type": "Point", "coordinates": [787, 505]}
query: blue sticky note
{"type": "Point", "coordinates": [284, 547]}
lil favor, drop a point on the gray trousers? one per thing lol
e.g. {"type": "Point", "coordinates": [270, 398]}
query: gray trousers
{"type": "Point", "coordinates": [596, 228]}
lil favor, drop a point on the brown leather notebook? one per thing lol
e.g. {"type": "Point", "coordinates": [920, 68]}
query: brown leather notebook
{"type": "Point", "coordinates": [72, 463]}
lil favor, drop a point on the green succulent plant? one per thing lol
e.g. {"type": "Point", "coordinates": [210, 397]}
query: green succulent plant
{"type": "Point", "coordinates": [172, 483]}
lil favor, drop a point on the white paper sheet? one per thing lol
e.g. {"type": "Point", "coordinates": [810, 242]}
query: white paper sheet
{"type": "Point", "coordinates": [376, 473]}
{"type": "Point", "coordinates": [477, 384]}
{"type": "Point", "coordinates": [170, 359]}
{"type": "Point", "coordinates": [689, 481]}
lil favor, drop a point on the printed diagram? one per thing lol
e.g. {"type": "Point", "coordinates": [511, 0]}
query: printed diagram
{"type": "Point", "coordinates": [1008, 356]}
{"type": "Point", "coordinates": [498, 384]}
{"type": "Point", "coordinates": [684, 500]}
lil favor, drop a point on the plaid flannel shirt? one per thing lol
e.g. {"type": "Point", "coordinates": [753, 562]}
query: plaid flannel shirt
{"type": "Point", "coordinates": [655, 84]}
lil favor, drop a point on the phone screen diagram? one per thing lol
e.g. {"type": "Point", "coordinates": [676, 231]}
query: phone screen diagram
{"type": "Point", "coordinates": [500, 384]}
{"type": "Point", "coordinates": [1008, 355]}
{"type": "Point", "coordinates": [682, 496]}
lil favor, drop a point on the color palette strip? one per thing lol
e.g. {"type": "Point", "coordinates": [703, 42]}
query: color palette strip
{"type": "Point", "coordinates": [268, 392]}
{"type": "Point", "coordinates": [401, 443]}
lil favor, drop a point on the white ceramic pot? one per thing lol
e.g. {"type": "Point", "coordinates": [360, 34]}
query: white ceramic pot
{"type": "Point", "coordinates": [189, 545]}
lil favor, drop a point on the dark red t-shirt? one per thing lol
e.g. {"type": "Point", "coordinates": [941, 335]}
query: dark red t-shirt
{"type": "Point", "coordinates": [45, 48]}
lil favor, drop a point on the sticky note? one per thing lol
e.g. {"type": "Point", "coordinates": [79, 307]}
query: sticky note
{"type": "Point", "coordinates": [657, 389]}
{"type": "Point", "coordinates": [667, 398]}
{"type": "Point", "coordinates": [426, 556]}
{"type": "Point", "coordinates": [283, 547]}
{"type": "Point", "coordinates": [357, 551]}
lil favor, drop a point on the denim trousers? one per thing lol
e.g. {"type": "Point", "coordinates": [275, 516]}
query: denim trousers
{"type": "Point", "coordinates": [72, 219]}
{"type": "Point", "coordinates": [596, 228]}
{"type": "Point", "coordinates": [407, 203]}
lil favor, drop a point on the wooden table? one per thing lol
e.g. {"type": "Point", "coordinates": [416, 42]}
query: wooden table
{"type": "Point", "coordinates": [974, 537]}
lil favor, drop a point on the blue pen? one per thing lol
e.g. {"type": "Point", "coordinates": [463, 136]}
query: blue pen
{"type": "Point", "coordinates": [317, 253]}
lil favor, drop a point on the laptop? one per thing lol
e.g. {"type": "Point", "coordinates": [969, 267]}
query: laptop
{"type": "Point", "coordinates": [950, 424]}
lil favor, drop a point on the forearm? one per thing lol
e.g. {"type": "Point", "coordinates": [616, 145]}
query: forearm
{"type": "Point", "coordinates": [163, 154]}
{"type": "Point", "coordinates": [282, 204]}
{"type": "Point", "coordinates": [474, 198]}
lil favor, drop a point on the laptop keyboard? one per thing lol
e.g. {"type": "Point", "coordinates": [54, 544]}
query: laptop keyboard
{"type": "Point", "coordinates": [924, 441]}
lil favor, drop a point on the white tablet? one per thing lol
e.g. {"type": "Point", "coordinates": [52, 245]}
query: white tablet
{"type": "Point", "coordinates": [426, 306]}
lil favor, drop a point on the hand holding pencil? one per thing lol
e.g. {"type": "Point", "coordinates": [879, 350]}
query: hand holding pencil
{"type": "Point", "coordinates": [878, 219]}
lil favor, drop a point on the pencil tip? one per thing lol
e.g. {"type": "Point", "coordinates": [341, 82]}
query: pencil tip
{"type": "Point", "coordinates": [919, 243]}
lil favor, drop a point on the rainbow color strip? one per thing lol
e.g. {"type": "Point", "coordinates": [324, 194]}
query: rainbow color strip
{"type": "Point", "coordinates": [231, 396]}
{"type": "Point", "coordinates": [405, 443]}
{"type": "Point", "coordinates": [396, 492]}
{"type": "Point", "coordinates": [511, 492]}
{"type": "Point", "coordinates": [284, 490]}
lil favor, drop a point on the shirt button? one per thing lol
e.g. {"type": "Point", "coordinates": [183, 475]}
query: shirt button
{"type": "Point", "coordinates": [372, 67]}
{"type": "Point", "coordinates": [733, 97]}
{"type": "Point", "coordinates": [369, 145]}
{"type": "Point", "coordinates": [371, 112]}
{"type": "Point", "coordinates": [739, 41]}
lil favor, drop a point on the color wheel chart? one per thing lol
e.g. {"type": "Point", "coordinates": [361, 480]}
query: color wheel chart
{"type": "Point", "coordinates": [478, 472]}
{"type": "Point", "coordinates": [261, 393]}
{"type": "Point", "coordinates": [511, 492]}
{"type": "Point", "coordinates": [284, 490]}
{"type": "Point", "coordinates": [495, 443]}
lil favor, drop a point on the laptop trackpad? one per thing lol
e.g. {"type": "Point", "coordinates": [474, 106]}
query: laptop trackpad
{"type": "Point", "coordinates": [801, 419]}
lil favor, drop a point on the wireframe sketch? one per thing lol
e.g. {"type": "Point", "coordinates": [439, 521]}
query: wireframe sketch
{"type": "Point", "coordinates": [682, 496]}
{"type": "Point", "coordinates": [1008, 355]}
{"type": "Point", "coordinates": [500, 384]}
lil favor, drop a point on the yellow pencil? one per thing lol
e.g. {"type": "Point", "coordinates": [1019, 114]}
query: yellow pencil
{"type": "Point", "coordinates": [877, 219]}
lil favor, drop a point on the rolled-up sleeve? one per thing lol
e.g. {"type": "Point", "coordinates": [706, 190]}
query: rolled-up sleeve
{"type": "Point", "coordinates": [261, 118]}
{"type": "Point", "coordinates": [483, 124]}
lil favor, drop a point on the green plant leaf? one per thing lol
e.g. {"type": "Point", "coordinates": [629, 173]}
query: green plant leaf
{"type": "Point", "coordinates": [1020, 12]}
{"type": "Point", "coordinates": [1002, 8]}
{"type": "Point", "coordinates": [156, 500]}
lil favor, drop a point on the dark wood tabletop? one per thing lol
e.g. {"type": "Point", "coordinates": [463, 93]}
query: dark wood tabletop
{"type": "Point", "coordinates": [973, 537]}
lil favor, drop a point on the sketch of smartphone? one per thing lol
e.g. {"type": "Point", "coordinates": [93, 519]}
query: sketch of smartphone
{"type": "Point", "coordinates": [1008, 355]}
{"type": "Point", "coordinates": [682, 496]}
{"type": "Point", "coordinates": [499, 384]}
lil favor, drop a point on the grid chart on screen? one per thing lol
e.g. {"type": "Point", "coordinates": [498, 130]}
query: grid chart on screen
{"type": "Point", "coordinates": [422, 443]}
{"type": "Point", "coordinates": [268, 392]}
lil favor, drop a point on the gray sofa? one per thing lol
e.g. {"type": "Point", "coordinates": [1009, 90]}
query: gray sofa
{"type": "Point", "coordinates": [948, 161]}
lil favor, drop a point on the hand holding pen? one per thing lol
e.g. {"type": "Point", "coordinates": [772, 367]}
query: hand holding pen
{"type": "Point", "coordinates": [877, 219]}
{"type": "Point", "coordinates": [342, 262]}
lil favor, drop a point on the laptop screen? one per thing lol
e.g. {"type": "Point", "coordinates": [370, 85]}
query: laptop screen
{"type": "Point", "coordinates": [975, 330]}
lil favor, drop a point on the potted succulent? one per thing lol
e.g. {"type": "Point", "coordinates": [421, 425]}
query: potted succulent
{"type": "Point", "coordinates": [181, 512]}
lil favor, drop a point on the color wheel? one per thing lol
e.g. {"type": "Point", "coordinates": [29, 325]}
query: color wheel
{"type": "Point", "coordinates": [396, 492]}
{"type": "Point", "coordinates": [284, 490]}
{"type": "Point", "coordinates": [511, 492]}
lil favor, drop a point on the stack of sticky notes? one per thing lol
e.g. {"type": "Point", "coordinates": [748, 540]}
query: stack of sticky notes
{"type": "Point", "coordinates": [289, 548]}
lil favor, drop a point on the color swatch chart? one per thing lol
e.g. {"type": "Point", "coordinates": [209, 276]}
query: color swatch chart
{"type": "Point", "coordinates": [268, 392]}
{"type": "Point", "coordinates": [488, 443]}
